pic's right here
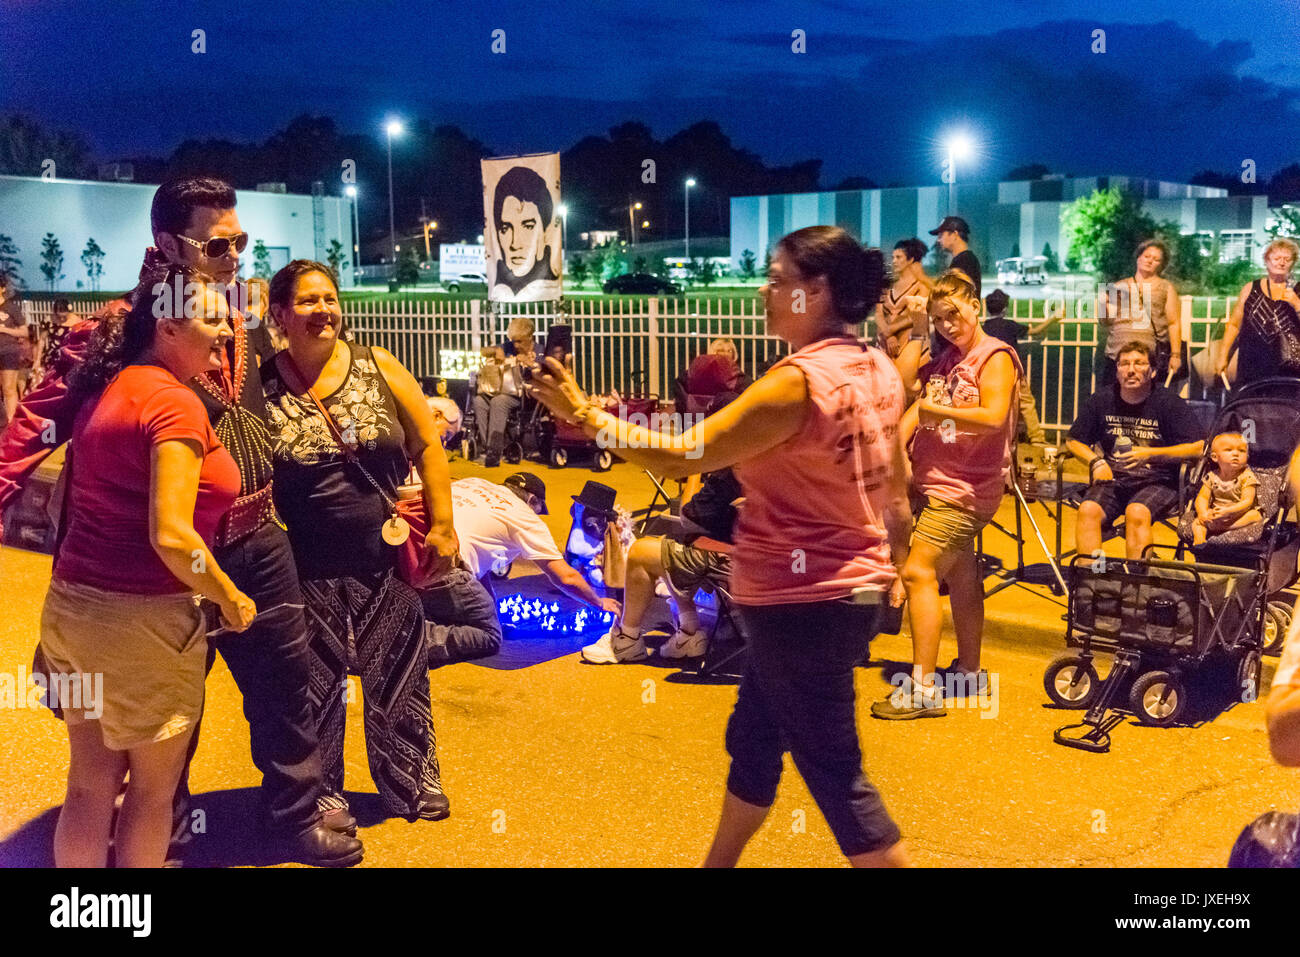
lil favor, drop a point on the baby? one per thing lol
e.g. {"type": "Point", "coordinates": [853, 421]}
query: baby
{"type": "Point", "coordinates": [1227, 496]}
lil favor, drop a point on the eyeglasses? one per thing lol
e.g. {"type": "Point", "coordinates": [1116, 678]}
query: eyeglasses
{"type": "Point", "coordinates": [218, 246]}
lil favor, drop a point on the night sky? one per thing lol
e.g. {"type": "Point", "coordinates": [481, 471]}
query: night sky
{"type": "Point", "coordinates": [1183, 86]}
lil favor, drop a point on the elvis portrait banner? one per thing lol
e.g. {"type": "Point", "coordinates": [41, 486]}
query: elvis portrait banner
{"type": "Point", "coordinates": [521, 199]}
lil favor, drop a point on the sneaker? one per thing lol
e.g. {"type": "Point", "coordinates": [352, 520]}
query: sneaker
{"type": "Point", "coordinates": [903, 704]}
{"type": "Point", "coordinates": [685, 644]}
{"type": "Point", "coordinates": [980, 686]}
{"type": "Point", "coordinates": [614, 648]}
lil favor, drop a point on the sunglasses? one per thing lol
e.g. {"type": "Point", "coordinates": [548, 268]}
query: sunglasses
{"type": "Point", "coordinates": [218, 246]}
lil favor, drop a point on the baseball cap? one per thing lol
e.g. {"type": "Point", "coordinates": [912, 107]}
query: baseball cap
{"type": "Point", "coordinates": [530, 483]}
{"type": "Point", "coordinates": [952, 224]}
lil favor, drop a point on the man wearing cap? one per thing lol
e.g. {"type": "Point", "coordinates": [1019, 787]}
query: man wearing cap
{"type": "Point", "coordinates": [953, 235]}
{"type": "Point", "coordinates": [498, 523]}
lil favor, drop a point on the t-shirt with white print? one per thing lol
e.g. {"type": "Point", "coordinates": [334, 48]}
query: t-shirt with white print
{"type": "Point", "coordinates": [496, 527]}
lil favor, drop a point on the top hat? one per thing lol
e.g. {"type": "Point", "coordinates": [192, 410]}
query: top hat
{"type": "Point", "coordinates": [598, 498]}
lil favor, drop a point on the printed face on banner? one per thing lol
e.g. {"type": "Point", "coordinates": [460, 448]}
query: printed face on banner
{"type": "Point", "coordinates": [521, 198]}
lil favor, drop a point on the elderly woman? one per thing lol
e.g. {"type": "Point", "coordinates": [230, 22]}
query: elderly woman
{"type": "Point", "coordinates": [1143, 307]}
{"type": "Point", "coordinates": [814, 444]}
{"type": "Point", "coordinates": [1265, 322]}
{"type": "Point", "coordinates": [962, 432]}
{"type": "Point", "coordinates": [346, 422]}
{"type": "Point", "coordinates": [149, 483]}
{"type": "Point", "coordinates": [902, 327]}
{"type": "Point", "coordinates": [500, 387]}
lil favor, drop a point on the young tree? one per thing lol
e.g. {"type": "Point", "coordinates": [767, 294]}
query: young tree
{"type": "Point", "coordinates": [10, 264]}
{"type": "Point", "coordinates": [92, 257]}
{"type": "Point", "coordinates": [1053, 263]}
{"type": "Point", "coordinates": [334, 258]}
{"type": "Point", "coordinates": [579, 270]}
{"type": "Point", "coordinates": [748, 264]}
{"type": "Point", "coordinates": [51, 260]}
{"type": "Point", "coordinates": [261, 260]}
{"type": "Point", "coordinates": [663, 269]}
{"type": "Point", "coordinates": [639, 264]}
{"type": "Point", "coordinates": [1015, 249]}
{"type": "Point", "coordinates": [1284, 223]}
{"type": "Point", "coordinates": [707, 274]}
{"type": "Point", "coordinates": [408, 267]}
{"type": "Point", "coordinates": [1105, 229]}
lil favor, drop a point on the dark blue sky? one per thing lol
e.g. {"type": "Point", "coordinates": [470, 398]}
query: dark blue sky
{"type": "Point", "coordinates": [1182, 86]}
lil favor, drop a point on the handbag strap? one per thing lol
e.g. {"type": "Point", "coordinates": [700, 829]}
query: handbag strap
{"type": "Point", "coordinates": [299, 383]}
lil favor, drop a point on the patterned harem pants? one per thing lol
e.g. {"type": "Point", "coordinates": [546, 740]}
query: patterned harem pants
{"type": "Point", "coordinates": [372, 625]}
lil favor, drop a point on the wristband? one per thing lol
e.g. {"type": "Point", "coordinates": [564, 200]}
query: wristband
{"type": "Point", "coordinates": [1092, 466]}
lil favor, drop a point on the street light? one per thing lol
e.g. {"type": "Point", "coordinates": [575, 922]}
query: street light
{"type": "Point", "coordinates": [563, 210]}
{"type": "Point", "coordinates": [959, 147]}
{"type": "Point", "coordinates": [686, 192]}
{"type": "Point", "coordinates": [429, 226]}
{"type": "Point", "coordinates": [631, 222]}
{"type": "Point", "coordinates": [351, 191]}
{"type": "Point", "coordinates": [392, 128]}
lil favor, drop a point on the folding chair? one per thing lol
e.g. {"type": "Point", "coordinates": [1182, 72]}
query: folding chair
{"type": "Point", "coordinates": [724, 658]}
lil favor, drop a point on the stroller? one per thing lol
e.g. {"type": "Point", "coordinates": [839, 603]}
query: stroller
{"type": "Point", "coordinates": [1176, 628]}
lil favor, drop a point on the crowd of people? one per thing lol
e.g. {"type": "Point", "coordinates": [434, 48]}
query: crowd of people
{"type": "Point", "coordinates": [260, 460]}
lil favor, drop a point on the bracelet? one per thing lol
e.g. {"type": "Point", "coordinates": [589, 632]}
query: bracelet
{"type": "Point", "coordinates": [1092, 466]}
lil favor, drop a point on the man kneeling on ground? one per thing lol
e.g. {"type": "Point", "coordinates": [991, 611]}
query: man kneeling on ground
{"type": "Point", "coordinates": [1144, 431]}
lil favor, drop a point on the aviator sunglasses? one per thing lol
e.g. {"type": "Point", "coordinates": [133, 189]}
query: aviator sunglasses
{"type": "Point", "coordinates": [218, 246]}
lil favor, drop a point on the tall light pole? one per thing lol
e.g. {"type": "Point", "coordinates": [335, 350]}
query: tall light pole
{"type": "Point", "coordinates": [392, 128]}
{"type": "Point", "coordinates": [631, 221]}
{"type": "Point", "coordinates": [959, 147]}
{"type": "Point", "coordinates": [563, 210]}
{"type": "Point", "coordinates": [686, 192]}
{"type": "Point", "coordinates": [356, 229]}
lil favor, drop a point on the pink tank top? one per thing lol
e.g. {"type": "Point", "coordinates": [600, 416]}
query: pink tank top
{"type": "Point", "coordinates": [812, 527]}
{"type": "Point", "coordinates": [967, 469]}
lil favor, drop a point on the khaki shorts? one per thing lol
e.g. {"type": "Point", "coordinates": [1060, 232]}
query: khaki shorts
{"type": "Point", "coordinates": [947, 527]}
{"type": "Point", "coordinates": [140, 660]}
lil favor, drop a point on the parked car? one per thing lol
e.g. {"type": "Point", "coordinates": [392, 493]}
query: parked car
{"type": "Point", "coordinates": [640, 283]}
{"type": "Point", "coordinates": [467, 282]}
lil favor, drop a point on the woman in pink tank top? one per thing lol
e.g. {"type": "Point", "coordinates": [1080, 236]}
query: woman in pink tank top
{"type": "Point", "coordinates": [961, 430]}
{"type": "Point", "coordinates": [815, 444]}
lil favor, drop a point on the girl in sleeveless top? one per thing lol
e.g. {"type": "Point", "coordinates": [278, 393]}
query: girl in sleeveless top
{"type": "Point", "coordinates": [964, 428]}
{"type": "Point", "coordinates": [324, 394]}
{"type": "Point", "coordinates": [1265, 322]}
{"type": "Point", "coordinates": [824, 526]}
{"type": "Point", "coordinates": [902, 327]}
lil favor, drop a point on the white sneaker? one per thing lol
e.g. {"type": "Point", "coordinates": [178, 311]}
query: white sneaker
{"type": "Point", "coordinates": [614, 648]}
{"type": "Point", "coordinates": [685, 644]}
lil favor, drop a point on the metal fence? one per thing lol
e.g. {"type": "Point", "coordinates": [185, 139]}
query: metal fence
{"type": "Point", "coordinates": [641, 345]}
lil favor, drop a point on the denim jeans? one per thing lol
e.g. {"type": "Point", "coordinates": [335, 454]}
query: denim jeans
{"type": "Point", "coordinates": [461, 619]}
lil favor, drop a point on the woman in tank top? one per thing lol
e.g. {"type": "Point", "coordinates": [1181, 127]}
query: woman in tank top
{"type": "Point", "coordinates": [814, 444]}
{"type": "Point", "coordinates": [962, 432]}
{"type": "Point", "coordinates": [324, 394]}
{"type": "Point", "coordinates": [1265, 322]}
{"type": "Point", "coordinates": [1143, 307]}
{"type": "Point", "coordinates": [902, 327]}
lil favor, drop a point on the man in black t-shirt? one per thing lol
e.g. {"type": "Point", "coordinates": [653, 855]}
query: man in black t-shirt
{"type": "Point", "coordinates": [1144, 431]}
{"type": "Point", "coordinates": [954, 236]}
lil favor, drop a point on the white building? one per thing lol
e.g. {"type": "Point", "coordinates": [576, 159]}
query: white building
{"type": "Point", "coordinates": [116, 216]}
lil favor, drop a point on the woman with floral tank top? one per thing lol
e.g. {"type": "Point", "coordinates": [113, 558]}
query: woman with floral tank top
{"type": "Point", "coordinates": [815, 446]}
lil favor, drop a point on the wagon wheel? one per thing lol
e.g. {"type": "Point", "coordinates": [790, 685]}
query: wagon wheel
{"type": "Point", "coordinates": [1158, 698]}
{"type": "Point", "coordinates": [1248, 669]}
{"type": "Point", "coordinates": [604, 460]}
{"type": "Point", "coordinates": [1277, 619]}
{"type": "Point", "coordinates": [559, 457]}
{"type": "Point", "coordinates": [1071, 681]}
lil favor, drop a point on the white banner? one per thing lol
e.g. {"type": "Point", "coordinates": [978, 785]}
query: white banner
{"type": "Point", "coordinates": [521, 199]}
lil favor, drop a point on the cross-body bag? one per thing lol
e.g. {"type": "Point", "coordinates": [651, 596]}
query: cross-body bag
{"type": "Point", "coordinates": [408, 525]}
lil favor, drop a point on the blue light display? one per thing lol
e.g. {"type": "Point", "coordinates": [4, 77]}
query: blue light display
{"type": "Point", "coordinates": [523, 615]}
